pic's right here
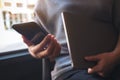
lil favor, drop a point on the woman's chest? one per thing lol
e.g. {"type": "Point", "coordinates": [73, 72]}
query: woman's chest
{"type": "Point", "coordinates": [89, 7]}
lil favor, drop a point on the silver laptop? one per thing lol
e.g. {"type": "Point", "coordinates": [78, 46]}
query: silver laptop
{"type": "Point", "coordinates": [86, 36]}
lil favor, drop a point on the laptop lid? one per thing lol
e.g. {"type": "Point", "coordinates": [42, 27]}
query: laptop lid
{"type": "Point", "coordinates": [86, 36]}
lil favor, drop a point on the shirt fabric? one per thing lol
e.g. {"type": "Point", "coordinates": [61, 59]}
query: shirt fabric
{"type": "Point", "coordinates": [48, 15]}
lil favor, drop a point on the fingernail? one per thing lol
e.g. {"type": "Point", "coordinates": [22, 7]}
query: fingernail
{"type": "Point", "coordinates": [49, 35]}
{"type": "Point", "coordinates": [52, 36]}
{"type": "Point", "coordinates": [55, 39]}
{"type": "Point", "coordinates": [89, 70]}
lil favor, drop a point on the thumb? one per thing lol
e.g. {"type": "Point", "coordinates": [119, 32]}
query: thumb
{"type": "Point", "coordinates": [95, 69]}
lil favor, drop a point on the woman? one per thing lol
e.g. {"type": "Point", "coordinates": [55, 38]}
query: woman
{"type": "Point", "coordinates": [48, 14]}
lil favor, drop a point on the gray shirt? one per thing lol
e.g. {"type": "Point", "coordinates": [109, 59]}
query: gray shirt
{"type": "Point", "coordinates": [48, 15]}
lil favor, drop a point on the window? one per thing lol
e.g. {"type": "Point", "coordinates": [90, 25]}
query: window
{"type": "Point", "coordinates": [19, 4]}
{"type": "Point", "coordinates": [30, 6]}
{"type": "Point", "coordinates": [7, 4]}
{"type": "Point", "coordinates": [10, 14]}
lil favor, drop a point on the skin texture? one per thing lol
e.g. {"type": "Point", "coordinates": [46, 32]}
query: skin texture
{"type": "Point", "coordinates": [105, 61]}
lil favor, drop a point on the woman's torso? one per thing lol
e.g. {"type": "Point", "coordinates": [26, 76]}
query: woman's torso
{"type": "Point", "coordinates": [48, 12]}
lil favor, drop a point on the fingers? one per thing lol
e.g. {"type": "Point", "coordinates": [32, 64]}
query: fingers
{"type": "Point", "coordinates": [104, 66]}
{"type": "Point", "coordinates": [48, 50]}
{"type": "Point", "coordinates": [94, 69]}
{"type": "Point", "coordinates": [37, 50]}
{"type": "Point", "coordinates": [51, 46]}
{"type": "Point", "coordinates": [97, 70]}
{"type": "Point", "coordinates": [51, 51]}
{"type": "Point", "coordinates": [98, 67]}
{"type": "Point", "coordinates": [56, 51]}
{"type": "Point", "coordinates": [92, 58]}
{"type": "Point", "coordinates": [39, 47]}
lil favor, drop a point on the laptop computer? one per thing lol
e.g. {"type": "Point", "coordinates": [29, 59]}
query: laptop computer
{"type": "Point", "coordinates": [86, 36]}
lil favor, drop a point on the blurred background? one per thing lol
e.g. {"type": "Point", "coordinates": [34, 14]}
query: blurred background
{"type": "Point", "coordinates": [11, 12]}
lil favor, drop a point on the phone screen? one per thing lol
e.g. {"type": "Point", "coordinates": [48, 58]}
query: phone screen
{"type": "Point", "coordinates": [31, 30]}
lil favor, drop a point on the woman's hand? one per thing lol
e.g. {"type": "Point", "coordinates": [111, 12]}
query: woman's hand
{"type": "Point", "coordinates": [48, 47]}
{"type": "Point", "coordinates": [105, 63]}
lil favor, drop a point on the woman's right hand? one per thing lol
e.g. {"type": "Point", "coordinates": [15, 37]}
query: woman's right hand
{"type": "Point", "coordinates": [40, 50]}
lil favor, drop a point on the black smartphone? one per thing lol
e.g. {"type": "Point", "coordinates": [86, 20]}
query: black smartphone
{"type": "Point", "coordinates": [31, 30]}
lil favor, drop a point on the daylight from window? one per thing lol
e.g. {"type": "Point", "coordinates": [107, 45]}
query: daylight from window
{"type": "Point", "coordinates": [11, 12]}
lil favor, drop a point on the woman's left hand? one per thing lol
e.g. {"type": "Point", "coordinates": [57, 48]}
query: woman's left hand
{"type": "Point", "coordinates": [105, 63]}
